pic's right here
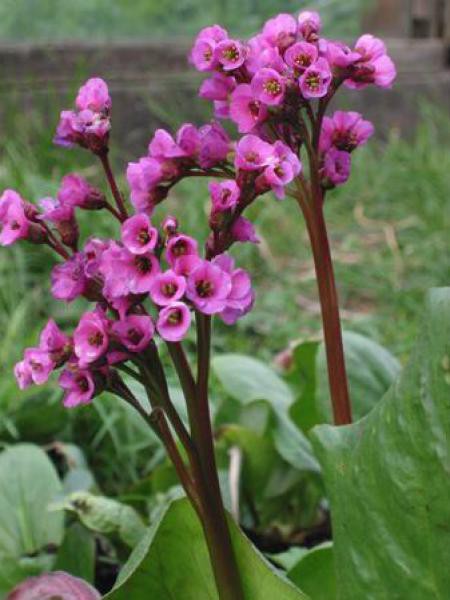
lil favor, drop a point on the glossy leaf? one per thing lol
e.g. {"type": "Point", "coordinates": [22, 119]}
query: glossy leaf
{"type": "Point", "coordinates": [315, 572]}
{"type": "Point", "coordinates": [77, 553]}
{"type": "Point", "coordinates": [388, 478]}
{"type": "Point", "coordinates": [28, 484]}
{"type": "Point", "coordinates": [172, 562]}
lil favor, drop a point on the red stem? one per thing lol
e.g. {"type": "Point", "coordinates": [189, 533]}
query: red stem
{"type": "Point", "coordinates": [113, 185]}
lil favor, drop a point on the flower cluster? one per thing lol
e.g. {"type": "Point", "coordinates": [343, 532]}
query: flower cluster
{"type": "Point", "coordinates": [276, 88]}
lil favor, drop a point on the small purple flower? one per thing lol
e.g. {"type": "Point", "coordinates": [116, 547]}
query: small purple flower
{"type": "Point", "coordinates": [76, 191]}
{"type": "Point", "coordinates": [281, 31]}
{"type": "Point", "coordinates": [374, 65]}
{"type": "Point", "coordinates": [55, 342]}
{"type": "Point", "coordinates": [90, 338]}
{"type": "Point", "coordinates": [138, 234]}
{"type": "Point", "coordinates": [214, 145]}
{"type": "Point", "coordinates": [39, 364]}
{"type": "Point", "coordinates": [163, 146]}
{"type": "Point", "coordinates": [252, 153]}
{"type": "Point", "coordinates": [186, 264]}
{"type": "Point", "coordinates": [230, 54]}
{"type": "Point", "coordinates": [180, 245]}
{"type": "Point", "coordinates": [63, 216]}
{"type": "Point", "coordinates": [208, 287]}
{"type": "Point", "coordinates": [56, 585]}
{"type": "Point", "coordinates": [245, 110]}
{"type": "Point", "coordinates": [93, 251]}
{"type": "Point", "coordinates": [268, 86]}
{"type": "Point", "coordinates": [79, 386]}
{"type": "Point", "coordinates": [338, 55]}
{"type": "Point", "coordinates": [14, 221]}
{"type": "Point", "coordinates": [218, 89]}
{"type": "Point", "coordinates": [88, 129]}
{"type": "Point", "coordinates": [22, 373]}
{"type": "Point", "coordinates": [94, 95]}
{"type": "Point", "coordinates": [134, 332]}
{"type": "Point", "coordinates": [241, 297]}
{"type": "Point", "coordinates": [301, 55]}
{"type": "Point", "coordinates": [174, 322]}
{"type": "Point", "coordinates": [244, 231]}
{"type": "Point", "coordinates": [202, 54]}
{"type": "Point", "coordinates": [336, 166]}
{"type": "Point", "coordinates": [261, 54]}
{"type": "Point", "coordinates": [167, 288]}
{"type": "Point", "coordinates": [316, 80]}
{"type": "Point", "coordinates": [126, 273]}
{"type": "Point", "coordinates": [309, 25]}
{"type": "Point", "coordinates": [224, 195]}
{"type": "Point", "coordinates": [143, 176]}
{"type": "Point", "coordinates": [68, 279]}
{"type": "Point", "coordinates": [345, 131]}
{"type": "Point", "coordinates": [284, 168]}
{"type": "Point", "coordinates": [188, 139]}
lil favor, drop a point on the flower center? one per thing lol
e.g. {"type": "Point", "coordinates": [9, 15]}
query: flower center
{"type": "Point", "coordinates": [82, 383]}
{"type": "Point", "coordinates": [179, 248]}
{"type": "Point", "coordinates": [204, 288]}
{"type": "Point", "coordinates": [272, 87]}
{"type": "Point", "coordinates": [231, 53]}
{"type": "Point", "coordinates": [143, 264]}
{"type": "Point", "coordinates": [252, 157]}
{"type": "Point", "coordinates": [175, 317]}
{"type": "Point", "coordinates": [302, 60]}
{"type": "Point", "coordinates": [36, 366]}
{"type": "Point", "coordinates": [14, 225]}
{"type": "Point", "coordinates": [143, 237]}
{"type": "Point", "coordinates": [253, 108]}
{"type": "Point", "coordinates": [96, 339]}
{"type": "Point", "coordinates": [313, 81]}
{"type": "Point", "coordinates": [134, 335]}
{"type": "Point", "coordinates": [168, 289]}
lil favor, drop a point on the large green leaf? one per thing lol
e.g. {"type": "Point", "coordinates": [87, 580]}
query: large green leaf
{"type": "Point", "coordinates": [172, 562]}
{"type": "Point", "coordinates": [371, 370]}
{"type": "Point", "coordinates": [248, 380]}
{"type": "Point", "coordinates": [28, 484]}
{"type": "Point", "coordinates": [388, 479]}
{"type": "Point", "coordinates": [77, 553]}
{"type": "Point", "coordinates": [315, 572]}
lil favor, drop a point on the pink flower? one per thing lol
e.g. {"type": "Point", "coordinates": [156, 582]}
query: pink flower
{"type": "Point", "coordinates": [76, 191]}
{"type": "Point", "coordinates": [14, 222]}
{"type": "Point", "coordinates": [55, 342]}
{"type": "Point", "coordinates": [301, 55]}
{"type": "Point", "coordinates": [284, 168]}
{"type": "Point", "coordinates": [374, 65]}
{"type": "Point", "coordinates": [90, 338]}
{"type": "Point", "coordinates": [243, 231]}
{"type": "Point", "coordinates": [245, 109]}
{"type": "Point", "coordinates": [143, 176]}
{"type": "Point", "coordinates": [93, 251]}
{"type": "Point", "coordinates": [169, 225]}
{"type": "Point", "coordinates": [224, 195]}
{"type": "Point", "coordinates": [218, 89]}
{"type": "Point", "coordinates": [345, 131]}
{"type": "Point", "coordinates": [39, 364]}
{"type": "Point", "coordinates": [252, 153]}
{"type": "Point", "coordinates": [268, 86]}
{"type": "Point", "coordinates": [337, 54]}
{"type": "Point", "coordinates": [63, 216]}
{"type": "Point", "coordinates": [230, 54]}
{"type": "Point", "coordinates": [167, 288]}
{"type": "Point", "coordinates": [186, 264]}
{"type": "Point", "coordinates": [280, 31]}
{"type": "Point", "coordinates": [138, 234]}
{"type": "Point", "coordinates": [261, 54]}
{"type": "Point", "coordinates": [134, 332]}
{"type": "Point", "coordinates": [180, 245]}
{"type": "Point", "coordinates": [79, 386]}
{"type": "Point", "coordinates": [163, 146]}
{"type": "Point", "coordinates": [68, 279]}
{"type": "Point", "coordinates": [309, 25]}
{"type": "Point", "coordinates": [22, 373]}
{"type": "Point", "coordinates": [214, 145]}
{"type": "Point", "coordinates": [241, 297]}
{"type": "Point", "coordinates": [88, 129]}
{"type": "Point", "coordinates": [208, 287]}
{"type": "Point", "coordinates": [54, 585]}
{"type": "Point", "coordinates": [174, 322]}
{"type": "Point", "coordinates": [336, 166]}
{"type": "Point", "coordinates": [188, 139]}
{"type": "Point", "coordinates": [126, 273]}
{"type": "Point", "coordinates": [202, 54]}
{"type": "Point", "coordinates": [316, 80]}
{"type": "Point", "coordinates": [94, 95]}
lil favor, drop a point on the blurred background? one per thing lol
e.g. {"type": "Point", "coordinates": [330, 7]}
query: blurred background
{"type": "Point", "coordinates": [389, 225]}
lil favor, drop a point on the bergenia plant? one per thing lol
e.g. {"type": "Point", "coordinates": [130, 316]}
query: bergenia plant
{"type": "Point", "coordinates": [151, 285]}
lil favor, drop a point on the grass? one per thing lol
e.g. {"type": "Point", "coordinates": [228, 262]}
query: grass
{"type": "Point", "coordinates": [389, 231]}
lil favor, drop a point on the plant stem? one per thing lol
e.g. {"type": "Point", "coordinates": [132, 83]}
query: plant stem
{"type": "Point", "coordinates": [337, 376]}
{"type": "Point", "coordinates": [123, 214]}
{"type": "Point", "coordinates": [214, 523]}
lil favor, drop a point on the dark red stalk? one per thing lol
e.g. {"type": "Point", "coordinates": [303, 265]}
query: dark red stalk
{"type": "Point", "coordinates": [113, 185]}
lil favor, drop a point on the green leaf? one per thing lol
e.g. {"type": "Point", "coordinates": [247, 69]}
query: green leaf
{"type": "Point", "coordinates": [388, 478]}
{"type": "Point", "coordinates": [28, 484]}
{"type": "Point", "coordinates": [315, 573]}
{"type": "Point", "coordinates": [247, 379]}
{"type": "Point", "coordinates": [371, 370]}
{"type": "Point", "coordinates": [172, 562]}
{"type": "Point", "coordinates": [304, 411]}
{"type": "Point", "coordinates": [105, 515]}
{"type": "Point", "coordinates": [77, 553]}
